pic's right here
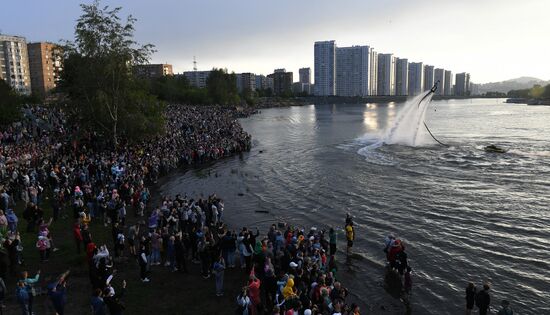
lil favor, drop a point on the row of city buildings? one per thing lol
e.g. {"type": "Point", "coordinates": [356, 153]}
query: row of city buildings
{"type": "Point", "coordinates": [34, 68]}
{"type": "Point", "coordinates": [361, 71]}
{"type": "Point", "coordinates": [339, 71]}
{"type": "Point", "coordinates": [29, 67]}
{"type": "Point", "coordinates": [280, 82]}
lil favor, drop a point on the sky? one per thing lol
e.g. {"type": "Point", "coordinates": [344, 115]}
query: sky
{"type": "Point", "coordinates": [493, 40]}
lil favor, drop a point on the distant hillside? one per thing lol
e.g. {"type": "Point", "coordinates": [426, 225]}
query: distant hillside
{"type": "Point", "coordinates": [512, 84]}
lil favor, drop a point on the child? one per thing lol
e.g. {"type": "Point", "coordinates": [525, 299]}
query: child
{"type": "Point", "coordinates": [219, 267]}
{"type": "Point", "coordinates": [43, 245]}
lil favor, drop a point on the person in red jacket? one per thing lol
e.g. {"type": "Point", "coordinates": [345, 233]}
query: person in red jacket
{"type": "Point", "coordinates": [77, 237]}
{"type": "Point", "coordinates": [90, 248]}
{"type": "Point", "coordinates": [396, 248]}
{"type": "Point", "coordinates": [254, 292]}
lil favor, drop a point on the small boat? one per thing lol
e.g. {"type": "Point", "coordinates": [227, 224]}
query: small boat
{"type": "Point", "coordinates": [517, 100]}
{"type": "Point", "coordinates": [494, 149]}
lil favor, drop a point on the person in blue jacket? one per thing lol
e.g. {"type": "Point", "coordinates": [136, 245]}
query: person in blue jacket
{"type": "Point", "coordinates": [23, 297]}
{"type": "Point", "coordinates": [58, 293]}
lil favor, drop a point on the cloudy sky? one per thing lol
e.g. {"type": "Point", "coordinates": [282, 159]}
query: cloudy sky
{"type": "Point", "coordinates": [492, 39]}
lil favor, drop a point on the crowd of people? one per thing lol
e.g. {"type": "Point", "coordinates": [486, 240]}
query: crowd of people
{"type": "Point", "coordinates": [290, 270]}
{"type": "Point", "coordinates": [45, 157]}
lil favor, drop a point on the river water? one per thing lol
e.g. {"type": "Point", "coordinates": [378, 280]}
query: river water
{"type": "Point", "coordinates": [466, 215]}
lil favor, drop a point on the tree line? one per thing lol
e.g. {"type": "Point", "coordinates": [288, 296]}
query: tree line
{"type": "Point", "coordinates": [100, 91]}
{"type": "Point", "coordinates": [537, 91]}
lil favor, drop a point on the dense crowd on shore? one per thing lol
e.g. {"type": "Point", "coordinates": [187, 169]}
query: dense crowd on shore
{"type": "Point", "coordinates": [41, 155]}
{"type": "Point", "coordinates": [290, 270]}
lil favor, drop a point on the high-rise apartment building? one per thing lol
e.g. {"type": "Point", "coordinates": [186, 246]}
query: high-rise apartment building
{"type": "Point", "coordinates": [45, 67]}
{"type": "Point", "coordinates": [325, 68]}
{"type": "Point", "coordinates": [246, 81]}
{"type": "Point", "coordinates": [282, 81]}
{"type": "Point", "coordinates": [303, 86]}
{"type": "Point", "coordinates": [428, 77]}
{"type": "Point", "coordinates": [263, 82]}
{"type": "Point", "coordinates": [402, 76]}
{"type": "Point", "coordinates": [416, 78]}
{"type": "Point", "coordinates": [462, 84]}
{"type": "Point", "coordinates": [373, 77]}
{"type": "Point", "coordinates": [14, 63]}
{"type": "Point", "coordinates": [353, 71]}
{"type": "Point", "coordinates": [448, 83]}
{"type": "Point", "coordinates": [197, 78]}
{"type": "Point", "coordinates": [386, 74]}
{"type": "Point", "coordinates": [305, 75]}
{"type": "Point", "coordinates": [439, 75]}
{"type": "Point", "coordinates": [153, 71]}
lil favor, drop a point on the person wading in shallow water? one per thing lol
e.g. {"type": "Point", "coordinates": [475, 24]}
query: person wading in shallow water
{"type": "Point", "coordinates": [470, 297]}
{"type": "Point", "coordinates": [483, 299]}
{"type": "Point", "coordinates": [350, 234]}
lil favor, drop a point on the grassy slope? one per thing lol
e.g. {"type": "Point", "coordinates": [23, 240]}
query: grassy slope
{"type": "Point", "coordinates": [168, 293]}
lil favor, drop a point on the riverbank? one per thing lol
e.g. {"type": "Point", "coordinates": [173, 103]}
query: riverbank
{"type": "Point", "coordinates": [139, 295]}
{"type": "Point", "coordinates": [275, 102]}
{"type": "Point", "coordinates": [53, 162]}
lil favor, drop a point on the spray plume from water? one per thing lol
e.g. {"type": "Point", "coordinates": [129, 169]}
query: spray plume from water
{"type": "Point", "coordinates": [408, 128]}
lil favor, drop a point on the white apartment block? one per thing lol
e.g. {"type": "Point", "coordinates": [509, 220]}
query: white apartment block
{"type": "Point", "coordinates": [197, 78]}
{"type": "Point", "coordinates": [373, 78]}
{"type": "Point", "coordinates": [246, 81]}
{"type": "Point", "coordinates": [402, 76]}
{"type": "Point", "coordinates": [325, 68]}
{"type": "Point", "coordinates": [439, 75]}
{"type": "Point", "coordinates": [416, 78]}
{"type": "Point", "coordinates": [448, 83]}
{"type": "Point", "coordinates": [353, 66]}
{"type": "Point", "coordinates": [428, 77]}
{"type": "Point", "coordinates": [386, 74]}
{"type": "Point", "coordinates": [14, 63]}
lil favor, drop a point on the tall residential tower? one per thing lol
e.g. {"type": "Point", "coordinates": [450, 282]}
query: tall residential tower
{"type": "Point", "coordinates": [402, 76]}
{"type": "Point", "coordinates": [14, 63]}
{"type": "Point", "coordinates": [462, 84]}
{"type": "Point", "coordinates": [448, 83]}
{"type": "Point", "coordinates": [439, 75]}
{"type": "Point", "coordinates": [428, 77]}
{"type": "Point", "coordinates": [325, 68]}
{"type": "Point", "coordinates": [305, 75]}
{"type": "Point", "coordinates": [416, 78]}
{"type": "Point", "coordinates": [45, 67]}
{"type": "Point", "coordinates": [353, 65]}
{"type": "Point", "coordinates": [386, 74]}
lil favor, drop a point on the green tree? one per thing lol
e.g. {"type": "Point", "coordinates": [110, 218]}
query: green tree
{"type": "Point", "coordinates": [10, 104]}
{"type": "Point", "coordinates": [249, 96]}
{"type": "Point", "coordinates": [536, 91]}
{"type": "Point", "coordinates": [519, 93]}
{"type": "Point", "coordinates": [222, 87]}
{"type": "Point", "coordinates": [177, 89]}
{"type": "Point", "coordinates": [98, 76]}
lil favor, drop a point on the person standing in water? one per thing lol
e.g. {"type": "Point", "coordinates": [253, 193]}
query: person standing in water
{"type": "Point", "coordinates": [483, 299]}
{"type": "Point", "coordinates": [350, 234]}
{"type": "Point", "coordinates": [332, 241]}
{"type": "Point", "coordinates": [470, 297]}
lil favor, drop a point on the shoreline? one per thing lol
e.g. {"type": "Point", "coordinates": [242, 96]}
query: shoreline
{"type": "Point", "coordinates": [78, 299]}
{"type": "Point", "coordinates": [383, 303]}
{"type": "Point", "coordinates": [277, 102]}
